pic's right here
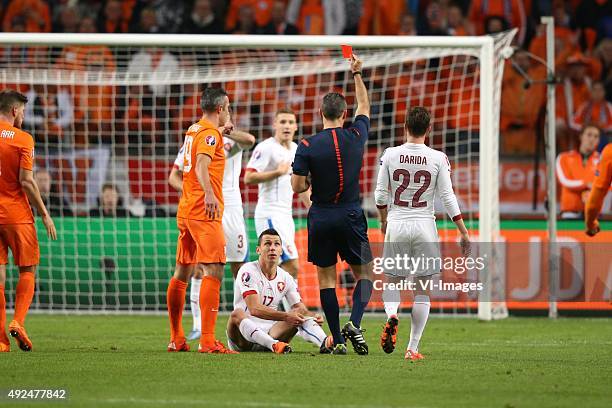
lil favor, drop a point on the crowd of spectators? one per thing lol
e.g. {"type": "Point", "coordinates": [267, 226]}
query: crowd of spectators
{"type": "Point", "coordinates": [583, 49]}
{"type": "Point", "coordinates": [314, 17]}
{"type": "Point", "coordinates": [151, 117]}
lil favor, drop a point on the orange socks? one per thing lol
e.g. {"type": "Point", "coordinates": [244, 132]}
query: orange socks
{"type": "Point", "coordinates": [209, 307]}
{"type": "Point", "coordinates": [175, 298]}
{"type": "Point", "coordinates": [3, 337]}
{"type": "Point", "coordinates": [23, 295]}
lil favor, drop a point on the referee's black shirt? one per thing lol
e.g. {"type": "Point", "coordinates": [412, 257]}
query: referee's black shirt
{"type": "Point", "coordinates": [334, 158]}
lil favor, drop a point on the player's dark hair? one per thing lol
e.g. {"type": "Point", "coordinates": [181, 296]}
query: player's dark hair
{"type": "Point", "coordinates": [333, 106]}
{"type": "Point", "coordinates": [589, 125]}
{"type": "Point", "coordinates": [285, 111]}
{"type": "Point", "coordinates": [417, 121]}
{"type": "Point", "coordinates": [269, 231]}
{"type": "Point", "coordinates": [212, 98]}
{"type": "Point", "coordinates": [10, 98]}
{"type": "Point", "coordinates": [487, 24]}
{"type": "Point", "coordinates": [108, 186]}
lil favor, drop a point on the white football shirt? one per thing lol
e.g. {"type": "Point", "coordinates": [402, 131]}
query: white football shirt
{"type": "Point", "coordinates": [252, 281]}
{"type": "Point", "coordinates": [231, 174]}
{"type": "Point", "coordinates": [409, 177]}
{"type": "Point", "coordinates": [275, 196]}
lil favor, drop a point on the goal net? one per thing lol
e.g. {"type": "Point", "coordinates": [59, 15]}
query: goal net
{"type": "Point", "coordinates": [108, 114]}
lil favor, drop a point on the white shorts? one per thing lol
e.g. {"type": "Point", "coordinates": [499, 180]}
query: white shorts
{"type": "Point", "coordinates": [284, 225]}
{"type": "Point", "coordinates": [419, 241]}
{"type": "Point", "coordinates": [263, 325]}
{"type": "Point", "coordinates": [236, 238]}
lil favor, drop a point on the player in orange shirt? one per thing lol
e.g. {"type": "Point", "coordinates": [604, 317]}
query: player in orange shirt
{"type": "Point", "coordinates": [601, 185]}
{"type": "Point", "coordinates": [17, 232]}
{"type": "Point", "coordinates": [576, 171]}
{"type": "Point", "coordinates": [201, 239]}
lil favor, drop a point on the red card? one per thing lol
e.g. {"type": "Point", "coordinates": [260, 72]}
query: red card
{"type": "Point", "coordinates": [347, 51]}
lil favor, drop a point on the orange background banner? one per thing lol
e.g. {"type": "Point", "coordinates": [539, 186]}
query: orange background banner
{"type": "Point", "coordinates": [585, 271]}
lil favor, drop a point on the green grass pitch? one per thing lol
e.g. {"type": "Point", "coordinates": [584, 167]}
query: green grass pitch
{"type": "Point", "coordinates": [111, 361]}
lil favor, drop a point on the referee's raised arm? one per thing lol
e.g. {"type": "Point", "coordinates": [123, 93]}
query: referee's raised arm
{"type": "Point", "coordinates": [330, 163]}
{"type": "Point", "coordinates": [361, 93]}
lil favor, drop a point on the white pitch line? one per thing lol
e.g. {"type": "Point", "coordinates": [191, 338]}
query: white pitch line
{"type": "Point", "coordinates": [234, 403]}
{"type": "Point", "coordinates": [560, 343]}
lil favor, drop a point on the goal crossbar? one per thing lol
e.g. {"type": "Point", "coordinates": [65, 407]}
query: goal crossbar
{"type": "Point", "coordinates": [244, 41]}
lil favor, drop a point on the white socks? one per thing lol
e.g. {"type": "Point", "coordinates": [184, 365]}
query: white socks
{"type": "Point", "coordinates": [312, 332]}
{"type": "Point", "coordinates": [420, 313]}
{"type": "Point", "coordinates": [391, 298]}
{"type": "Point", "coordinates": [252, 333]}
{"type": "Point", "coordinates": [194, 296]}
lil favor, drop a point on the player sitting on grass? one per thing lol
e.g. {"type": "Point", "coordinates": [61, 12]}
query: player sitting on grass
{"type": "Point", "coordinates": [256, 324]}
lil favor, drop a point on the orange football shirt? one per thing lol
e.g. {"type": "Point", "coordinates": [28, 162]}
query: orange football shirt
{"type": "Point", "coordinates": [16, 151]}
{"type": "Point", "coordinates": [601, 185]}
{"type": "Point", "coordinates": [201, 138]}
{"type": "Point", "coordinates": [574, 174]}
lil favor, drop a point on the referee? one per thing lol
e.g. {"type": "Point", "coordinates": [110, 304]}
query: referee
{"type": "Point", "coordinates": [336, 222]}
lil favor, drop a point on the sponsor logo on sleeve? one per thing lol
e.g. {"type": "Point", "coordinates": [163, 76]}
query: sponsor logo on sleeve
{"type": "Point", "coordinates": [246, 279]}
{"type": "Point", "coordinates": [211, 140]}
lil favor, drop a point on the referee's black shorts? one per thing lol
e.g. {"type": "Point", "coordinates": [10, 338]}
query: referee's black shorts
{"type": "Point", "coordinates": [338, 230]}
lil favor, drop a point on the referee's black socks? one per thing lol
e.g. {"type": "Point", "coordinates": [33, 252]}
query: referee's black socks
{"type": "Point", "coordinates": [329, 303]}
{"type": "Point", "coordinates": [361, 297]}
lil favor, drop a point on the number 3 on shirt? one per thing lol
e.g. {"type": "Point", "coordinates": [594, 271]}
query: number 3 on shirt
{"type": "Point", "coordinates": [187, 154]}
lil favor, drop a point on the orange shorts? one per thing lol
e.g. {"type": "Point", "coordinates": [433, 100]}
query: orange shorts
{"type": "Point", "coordinates": [22, 240]}
{"type": "Point", "coordinates": [200, 242]}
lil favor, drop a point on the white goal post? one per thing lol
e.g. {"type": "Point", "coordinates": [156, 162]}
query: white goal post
{"type": "Point", "coordinates": [388, 54]}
